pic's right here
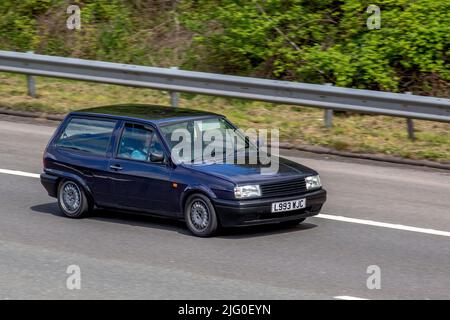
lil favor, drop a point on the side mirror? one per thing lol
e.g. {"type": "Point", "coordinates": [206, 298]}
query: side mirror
{"type": "Point", "coordinates": [156, 157]}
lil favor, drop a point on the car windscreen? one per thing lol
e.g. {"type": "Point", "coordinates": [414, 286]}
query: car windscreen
{"type": "Point", "coordinates": [202, 140]}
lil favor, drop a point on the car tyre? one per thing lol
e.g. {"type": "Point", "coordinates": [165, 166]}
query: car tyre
{"type": "Point", "coordinates": [200, 216]}
{"type": "Point", "coordinates": [72, 200]}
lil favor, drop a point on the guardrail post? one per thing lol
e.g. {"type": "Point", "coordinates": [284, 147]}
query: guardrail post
{"type": "Point", "coordinates": [410, 126]}
{"type": "Point", "coordinates": [31, 84]}
{"type": "Point", "coordinates": [174, 96]}
{"type": "Point", "coordinates": [328, 114]}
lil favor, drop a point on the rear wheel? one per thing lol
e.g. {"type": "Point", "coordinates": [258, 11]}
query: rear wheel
{"type": "Point", "coordinates": [200, 216]}
{"type": "Point", "coordinates": [72, 199]}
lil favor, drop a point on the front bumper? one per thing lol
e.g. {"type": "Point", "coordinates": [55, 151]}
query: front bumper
{"type": "Point", "coordinates": [258, 211]}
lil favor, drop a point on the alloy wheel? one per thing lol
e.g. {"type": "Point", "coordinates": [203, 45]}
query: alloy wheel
{"type": "Point", "coordinates": [71, 197]}
{"type": "Point", "coordinates": [200, 216]}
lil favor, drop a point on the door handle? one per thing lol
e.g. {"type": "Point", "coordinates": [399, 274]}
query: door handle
{"type": "Point", "coordinates": [115, 167]}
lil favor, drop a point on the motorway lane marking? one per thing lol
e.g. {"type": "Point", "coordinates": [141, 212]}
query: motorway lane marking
{"type": "Point", "coordinates": [20, 173]}
{"type": "Point", "coordinates": [322, 216]}
{"type": "Point", "coordinates": [348, 298]}
{"type": "Point", "coordinates": [384, 225]}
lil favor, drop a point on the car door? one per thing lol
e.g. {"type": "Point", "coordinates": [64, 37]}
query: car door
{"type": "Point", "coordinates": [140, 182]}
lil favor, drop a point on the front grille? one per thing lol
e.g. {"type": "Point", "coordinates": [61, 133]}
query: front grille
{"type": "Point", "coordinates": [284, 188]}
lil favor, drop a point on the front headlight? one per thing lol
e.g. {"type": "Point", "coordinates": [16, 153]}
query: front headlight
{"type": "Point", "coordinates": [247, 191]}
{"type": "Point", "coordinates": [313, 182]}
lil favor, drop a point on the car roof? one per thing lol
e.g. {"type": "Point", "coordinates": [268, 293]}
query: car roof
{"type": "Point", "coordinates": [153, 113]}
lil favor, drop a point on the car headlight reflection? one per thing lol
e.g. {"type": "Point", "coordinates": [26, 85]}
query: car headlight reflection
{"type": "Point", "coordinates": [250, 191]}
{"type": "Point", "coordinates": [313, 182]}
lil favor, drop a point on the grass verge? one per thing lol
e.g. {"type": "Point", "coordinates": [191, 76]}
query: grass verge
{"type": "Point", "coordinates": [297, 125]}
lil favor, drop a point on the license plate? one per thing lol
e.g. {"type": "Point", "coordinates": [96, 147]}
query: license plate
{"type": "Point", "coordinates": [288, 205]}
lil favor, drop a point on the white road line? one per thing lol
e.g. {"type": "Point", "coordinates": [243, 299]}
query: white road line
{"type": "Point", "coordinates": [20, 173]}
{"type": "Point", "coordinates": [385, 225]}
{"type": "Point", "coordinates": [348, 298]}
{"type": "Point", "coordinates": [322, 216]}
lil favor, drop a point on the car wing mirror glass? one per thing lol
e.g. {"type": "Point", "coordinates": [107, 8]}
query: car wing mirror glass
{"type": "Point", "coordinates": [156, 157]}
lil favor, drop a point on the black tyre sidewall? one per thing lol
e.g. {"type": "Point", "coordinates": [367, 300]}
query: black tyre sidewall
{"type": "Point", "coordinates": [213, 222]}
{"type": "Point", "coordinates": [84, 207]}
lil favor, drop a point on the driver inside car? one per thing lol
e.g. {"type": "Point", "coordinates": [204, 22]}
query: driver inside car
{"type": "Point", "coordinates": [142, 152]}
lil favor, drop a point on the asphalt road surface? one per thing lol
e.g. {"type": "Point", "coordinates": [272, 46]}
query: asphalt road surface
{"type": "Point", "coordinates": [396, 217]}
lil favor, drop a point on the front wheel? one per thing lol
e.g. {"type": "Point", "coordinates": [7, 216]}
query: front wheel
{"type": "Point", "coordinates": [200, 216]}
{"type": "Point", "coordinates": [72, 200]}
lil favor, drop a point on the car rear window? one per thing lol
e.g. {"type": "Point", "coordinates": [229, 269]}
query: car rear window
{"type": "Point", "coordinates": [89, 135]}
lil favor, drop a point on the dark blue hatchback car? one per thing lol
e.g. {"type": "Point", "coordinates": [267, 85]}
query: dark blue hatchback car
{"type": "Point", "coordinates": [123, 157]}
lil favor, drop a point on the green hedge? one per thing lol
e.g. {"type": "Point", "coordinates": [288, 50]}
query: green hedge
{"type": "Point", "coordinates": [327, 41]}
{"type": "Point", "coordinates": [310, 41]}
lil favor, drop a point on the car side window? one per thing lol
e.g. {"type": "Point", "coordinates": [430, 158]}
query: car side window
{"type": "Point", "coordinates": [135, 142]}
{"type": "Point", "coordinates": [85, 134]}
